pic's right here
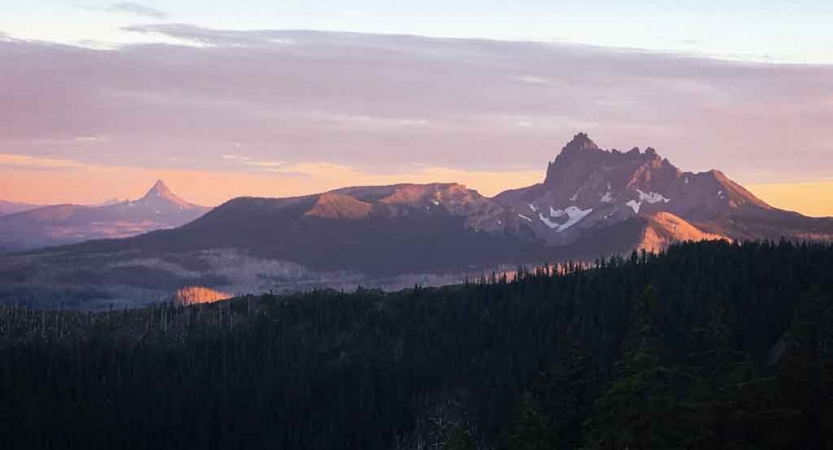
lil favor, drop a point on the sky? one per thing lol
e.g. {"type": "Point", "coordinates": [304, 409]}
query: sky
{"type": "Point", "coordinates": [221, 99]}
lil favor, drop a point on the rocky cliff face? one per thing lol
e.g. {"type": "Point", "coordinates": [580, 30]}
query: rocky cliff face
{"type": "Point", "coordinates": [588, 188]}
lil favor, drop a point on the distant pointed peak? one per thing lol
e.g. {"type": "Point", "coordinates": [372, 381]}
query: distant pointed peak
{"type": "Point", "coordinates": [160, 186]}
{"type": "Point", "coordinates": [161, 192]}
{"type": "Point", "coordinates": [159, 189]}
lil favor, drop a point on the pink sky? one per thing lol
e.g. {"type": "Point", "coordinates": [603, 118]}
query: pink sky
{"type": "Point", "coordinates": [286, 113]}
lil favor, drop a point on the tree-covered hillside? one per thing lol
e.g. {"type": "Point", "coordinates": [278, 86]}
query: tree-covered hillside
{"type": "Point", "coordinates": [707, 346]}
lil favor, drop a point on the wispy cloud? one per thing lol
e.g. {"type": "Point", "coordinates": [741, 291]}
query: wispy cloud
{"type": "Point", "coordinates": [214, 38]}
{"type": "Point", "coordinates": [101, 139]}
{"type": "Point", "coordinates": [377, 104]}
{"type": "Point", "coordinates": [360, 120]}
{"type": "Point", "coordinates": [531, 79]}
{"type": "Point", "coordinates": [137, 9]}
{"type": "Point", "coordinates": [287, 168]}
{"type": "Point", "coordinates": [235, 157]}
{"type": "Point", "coordinates": [33, 162]}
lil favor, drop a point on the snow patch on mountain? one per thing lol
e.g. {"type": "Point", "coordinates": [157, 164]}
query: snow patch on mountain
{"type": "Point", "coordinates": [607, 198]}
{"type": "Point", "coordinates": [650, 197]}
{"type": "Point", "coordinates": [574, 214]}
{"type": "Point", "coordinates": [548, 222]}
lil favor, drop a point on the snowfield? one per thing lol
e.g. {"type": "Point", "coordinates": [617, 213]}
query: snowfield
{"type": "Point", "coordinates": [650, 197]}
{"type": "Point", "coordinates": [573, 213]}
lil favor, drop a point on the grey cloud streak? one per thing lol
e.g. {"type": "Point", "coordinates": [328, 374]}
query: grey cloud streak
{"type": "Point", "coordinates": [384, 103]}
{"type": "Point", "coordinates": [137, 9]}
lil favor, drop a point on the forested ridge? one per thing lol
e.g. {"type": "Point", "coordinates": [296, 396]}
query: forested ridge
{"type": "Point", "coordinates": [708, 345]}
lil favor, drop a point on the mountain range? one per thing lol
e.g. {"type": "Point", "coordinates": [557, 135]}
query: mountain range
{"type": "Point", "coordinates": [592, 203]}
{"type": "Point", "coordinates": [7, 208]}
{"type": "Point", "coordinates": [35, 227]}
{"type": "Point", "coordinates": [588, 189]}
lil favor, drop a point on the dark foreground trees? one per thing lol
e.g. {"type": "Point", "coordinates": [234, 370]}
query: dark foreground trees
{"type": "Point", "coordinates": [709, 346]}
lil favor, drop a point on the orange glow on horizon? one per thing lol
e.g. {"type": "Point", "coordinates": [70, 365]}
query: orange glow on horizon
{"type": "Point", "coordinates": [96, 184]}
{"type": "Point", "coordinates": [811, 199]}
{"type": "Point", "coordinates": [93, 184]}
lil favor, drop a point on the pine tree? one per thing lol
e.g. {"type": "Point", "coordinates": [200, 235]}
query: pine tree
{"type": "Point", "coordinates": [531, 430]}
{"type": "Point", "coordinates": [459, 439]}
{"type": "Point", "coordinates": [637, 411]}
{"type": "Point", "coordinates": [566, 392]}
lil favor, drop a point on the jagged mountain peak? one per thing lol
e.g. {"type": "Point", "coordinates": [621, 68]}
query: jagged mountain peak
{"type": "Point", "coordinates": [581, 141]}
{"type": "Point", "coordinates": [582, 158]}
{"type": "Point", "coordinates": [588, 187]}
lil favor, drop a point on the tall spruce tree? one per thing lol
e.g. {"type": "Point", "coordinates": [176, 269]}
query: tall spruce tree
{"type": "Point", "coordinates": [636, 412]}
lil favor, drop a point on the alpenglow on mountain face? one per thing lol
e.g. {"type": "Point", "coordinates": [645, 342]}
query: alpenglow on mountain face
{"type": "Point", "coordinates": [588, 189]}
{"type": "Point", "coordinates": [592, 203]}
{"type": "Point", "coordinates": [65, 224]}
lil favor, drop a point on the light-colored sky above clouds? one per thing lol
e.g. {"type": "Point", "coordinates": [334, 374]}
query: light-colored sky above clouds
{"type": "Point", "coordinates": [794, 31]}
{"type": "Point", "coordinates": [107, 96]}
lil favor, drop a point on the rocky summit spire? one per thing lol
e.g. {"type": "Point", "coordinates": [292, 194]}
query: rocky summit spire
{"type": "Point", "coordinates": [581, 141]}
{"type": "Point", "coordinates": [581, 150]}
